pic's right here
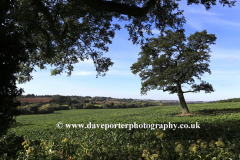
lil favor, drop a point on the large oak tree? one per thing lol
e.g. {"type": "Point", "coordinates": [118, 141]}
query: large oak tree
{"type": "Point", "coordinates": [177, 65]}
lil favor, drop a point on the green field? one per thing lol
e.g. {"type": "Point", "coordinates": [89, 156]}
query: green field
{"type": "Point", "coordinates": [217, 120]}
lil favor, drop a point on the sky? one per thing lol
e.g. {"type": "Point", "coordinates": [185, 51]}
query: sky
{"type": "Point", "coordinates": [120, 82]}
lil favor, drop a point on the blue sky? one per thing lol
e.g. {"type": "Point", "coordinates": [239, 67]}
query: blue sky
{"type": "Point", "coordinates": [120, 82]}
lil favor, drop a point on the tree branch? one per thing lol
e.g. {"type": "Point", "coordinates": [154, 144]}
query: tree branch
{"type": "Point", "coordinates": [41, 8]}
{"type": "Point", "coordinates": [121, 8]}
{"type": "Point", "coordinates": [189, 91]}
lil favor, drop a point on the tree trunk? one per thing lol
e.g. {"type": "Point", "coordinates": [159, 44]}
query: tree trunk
{"type": "Point", "coordinates": [182, 100]}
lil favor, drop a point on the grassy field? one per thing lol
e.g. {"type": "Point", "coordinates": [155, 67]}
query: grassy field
{"type": "Point", "coordinates": [217, 120]}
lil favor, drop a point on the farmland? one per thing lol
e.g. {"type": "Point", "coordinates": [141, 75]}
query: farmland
{"type": "Point", "coordinates": [34, 100]}
{"type": "Point", "coordinates": [219, 124]}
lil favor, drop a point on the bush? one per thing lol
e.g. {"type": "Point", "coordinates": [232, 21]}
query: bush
{"type": "Point", "coordinates": [46, 108]}
{"type": "Point", "coordinates": [106, 105]}
{"type": "Point", "coordinates": [55, 106]}
{"type": "Point", "coordinates": [131, 105]}
{"type": "Point", "coordinates": [23, 109]}
{"type": "Point", "coordinates": [90, 106]}
{"type": "Point", "coordinates": [77, 106]}
{"type": "Point", "coordinates": [64, 108]}
{"type": "Point", "coordinates": [85, 101]}
{"type": "Point", "coordinates": [120, 105]}
{"type": "Point", "coordinates": [33, 108]}
{"type": "Point", "coordinates": [112, 104]}
{"type": "Point", "coordinates": [24, 103]}
{"type": "Point", "coordinates": [71, 102]}
{"type": "Point", "coordinates": [10, 144]}
{"type": "Point", "coordinates": [117, 105]}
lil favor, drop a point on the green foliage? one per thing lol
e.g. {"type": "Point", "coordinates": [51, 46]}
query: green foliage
{"type": "Point", "coordinates": [12, 54]}
{"type": "Point", "coordinates": [34, 108]}
{"type": "Point", "coordinates": [71, 102]}
{"type": "Point", "coordinates": [90, 106]}
{"type": "Point", "coordinates": [106, 105]}
{"type": "Point", "coordinates": [229, 100]}
{"type": "Point", "coordinates": [170, 69]}
{"type": "Point", "coordinates": [24, 103]}
{"type": "Point", "coordinates": [131, 105]}
{"type": "Point", "coordinates": [77, 106]}
{"type": "Point", "coordinates": [46, 109]}
{"type": "Point", "coordinates": [112, 104]}
{"type": "Point", "coordinates": [10, 144]}
{"type": "Point", "coordinates": [58, 99]}
{"type": "Point", "coordinates": [85, 101]}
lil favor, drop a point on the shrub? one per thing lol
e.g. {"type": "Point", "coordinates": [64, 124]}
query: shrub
{"type": "Point", "coordinates": [112, 104]}
{"type": "Point", "coordinates": [106, 105]}
{"type": "Point", "coordinates": [10, 144]}
{"type": "Point", "coordinates": [24, 103]}
{"type": "Point", "coordinates": [33, 108]}
{"type": "Point", "coordinates": [85, 101]}
{"type": "Point", "coordinates": [117, 105]}
{"type": "Point", "coordinates": [55, 106]}
{"type": "Point", "coordinates": [77, 106]}
{"type": "Point", "coordinates": [23, 109]}
{"type": "Point", "coordinates": [123, 105]}
{"type": "Point", "coordinates": [46, 108]}
{"type": "Point", "coordinates": [89, 106]}
{"type": "Point", "coordinates": [64, 108]}
{"type": "Point", "coordinates": [71, 102]}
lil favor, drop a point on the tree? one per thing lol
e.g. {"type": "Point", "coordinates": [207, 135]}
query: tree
{"type": "Point", "coordinates": [12, 53]}
{"type": "Point", "coordinates": [112, 104]}
{"type": "Point", "coordinates": [175, 66]}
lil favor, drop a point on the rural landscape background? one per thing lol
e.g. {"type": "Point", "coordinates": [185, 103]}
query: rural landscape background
{"type": "Point", "coordinates": [120, 82]}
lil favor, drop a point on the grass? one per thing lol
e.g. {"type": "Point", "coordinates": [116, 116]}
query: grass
{"type": "Point", "coordinates": [217, 120]}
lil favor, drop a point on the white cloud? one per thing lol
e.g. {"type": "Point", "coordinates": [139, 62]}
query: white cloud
{"type": "Point", "coordinates": [201, 12]}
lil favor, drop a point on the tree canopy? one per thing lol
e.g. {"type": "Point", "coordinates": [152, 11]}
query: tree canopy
{"type": "Point", "coordinates": [178, 64]}
{"type": "Point", "coordinates": [64, 32]}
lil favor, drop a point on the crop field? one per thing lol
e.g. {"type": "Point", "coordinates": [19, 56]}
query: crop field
{"type": "Point", "coordinates": [217, 136]}
{"type": "Point", "coordinates": [34, 100]}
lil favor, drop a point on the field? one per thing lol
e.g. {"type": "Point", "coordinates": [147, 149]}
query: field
{"type": "Point", "coordinates": [34, 100]}
{"type": "Point", "coordinates": [218, 120]}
